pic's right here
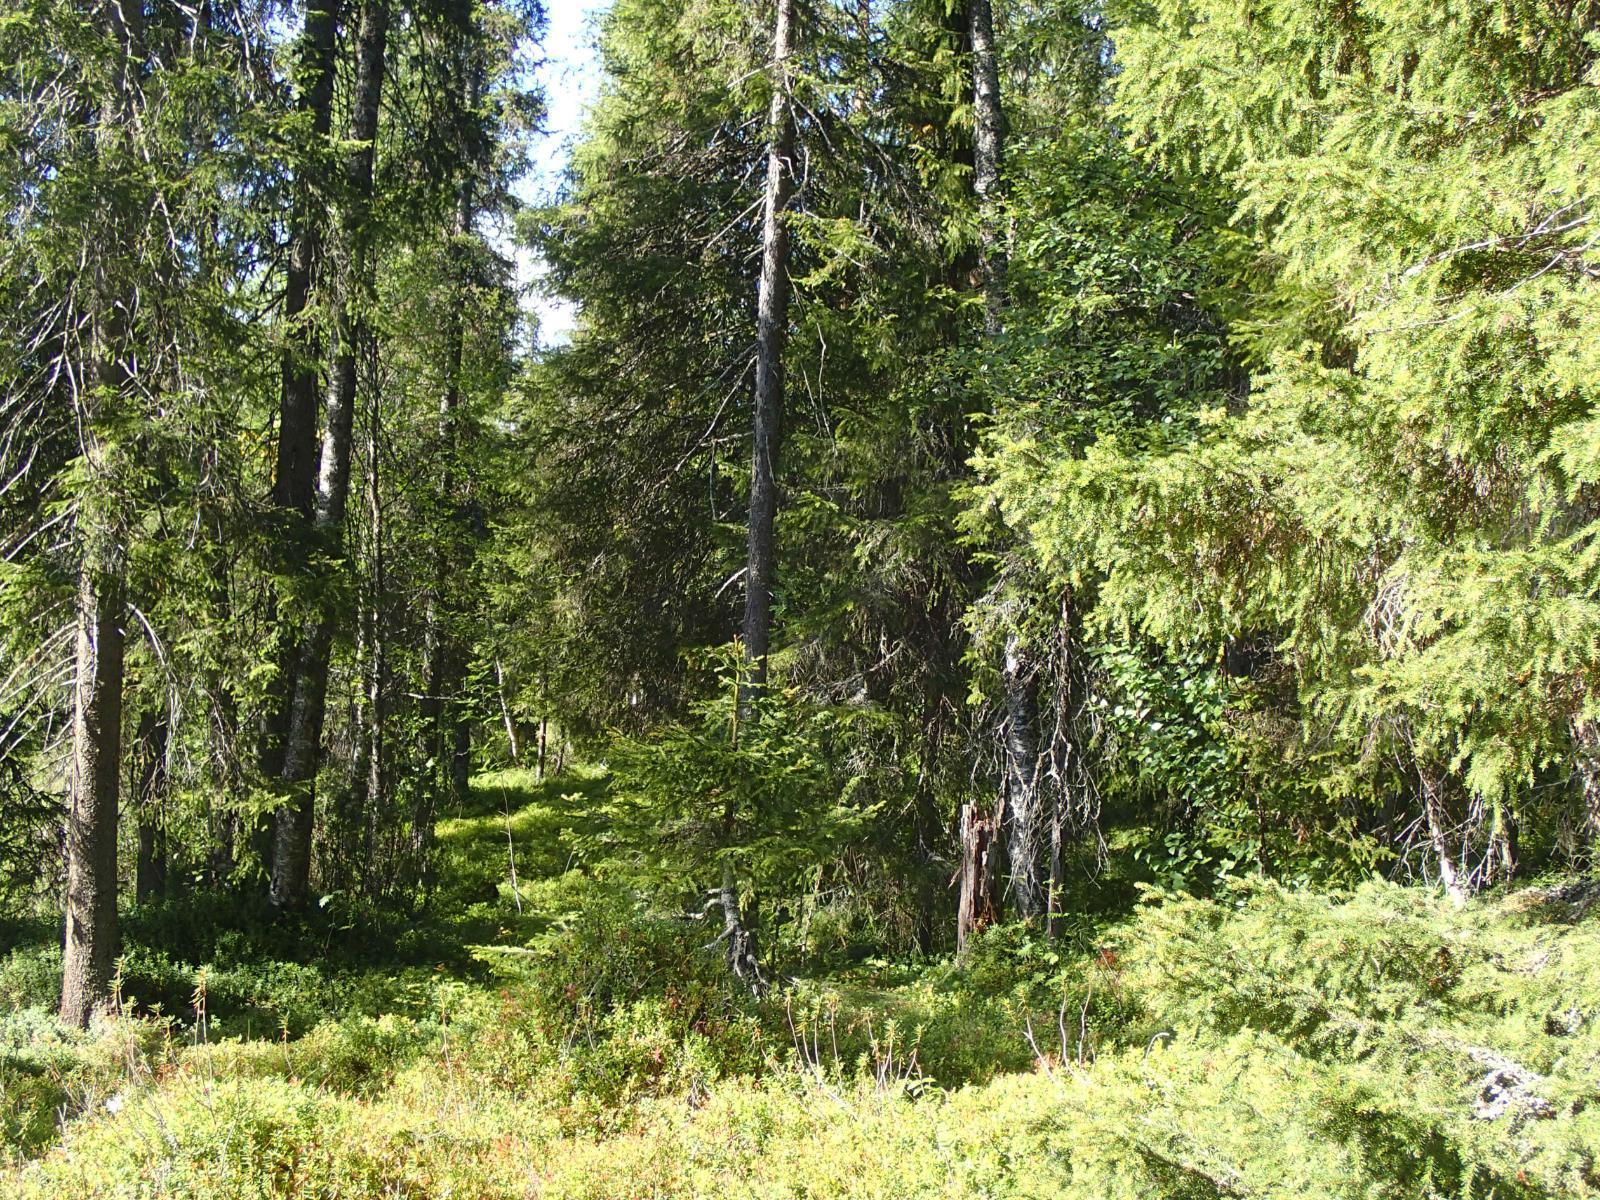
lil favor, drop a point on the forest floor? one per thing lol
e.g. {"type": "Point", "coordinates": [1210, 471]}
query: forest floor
{"type": "Point", "coordinates": [553, 1040]}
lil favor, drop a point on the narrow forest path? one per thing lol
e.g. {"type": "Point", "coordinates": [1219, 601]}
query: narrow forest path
{"type": "Point", "coordinates": [514, 827]}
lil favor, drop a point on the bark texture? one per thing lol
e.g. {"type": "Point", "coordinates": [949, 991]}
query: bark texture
{"type": "Point", "coordinates": [90, 945]}
{"type": "Point", "coordinates": [291, 860]}
{"type": "Point", "coordinates": [772, 327]}
{"type": "Point", "coordinates": [91, 900]}
{"type": "Point", "coordinates": [1022, 824]}
{"type": "Point", "coordinates": [294, 480]}
{"type": "Point", "coordinates": [975, 906]}
{"type": "Point", "coordinates": [1431, 786]}
{"type": "Point", "coordinates": [989, 119]}
{"type": "Point", "coordinates": [446, 733]}
{"type": "Point", "coordinates": [739, 939]}
{"type": "Point", "coordinates": [1022, 781]}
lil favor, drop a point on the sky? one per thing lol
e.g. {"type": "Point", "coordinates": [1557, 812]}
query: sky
{"type": "Point", "coordinates": [570, 78]}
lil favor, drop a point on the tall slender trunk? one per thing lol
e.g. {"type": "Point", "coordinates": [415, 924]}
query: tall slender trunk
{"type": "Point", "coordinates": [90, 946]}
{"type": "Point", "coordinates": [862, 96]}
{"type": "Point", "coordinates": [772, 327]}
{"type": "Point", "coordinates": [461, 755]}
{"type": "Point", "coordinates": [1023, 841]}
{"type": "Point", "coordinates": [1052, 903]}
{"type": "Point", "coordinates": [447, 739]}
{"type": "Point", "coordinates": [375, 788]}
{"type": "Point", "coordinates": [150, 802]}
{"type": "Point", "coordinates": [440, 717]}
{"type": "Point", "coordinates": [294, 481]}
{"type": "Point", "coordinates": [291, 866]}
{"type": "Point", "coordinates": [1504, 840]}
{"type": "Point", "coordinates": [505, 715]}
{"type": "Point", "coordinates": [989, 120]}
{"type": "Point", "coordinates": [1019, 710]}
{"type": "Point", "coordinates": [1064, 767]}
{"type": "Point", "coordinates": [352, 814]}
{"type": "Point", "coordinates": [434, 733]}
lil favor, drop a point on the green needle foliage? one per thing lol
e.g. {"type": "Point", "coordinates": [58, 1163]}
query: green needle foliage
{"type": "Point", "coordinates": [1039, 637]}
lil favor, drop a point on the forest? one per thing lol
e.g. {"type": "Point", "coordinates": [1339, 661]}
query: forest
{"type": "Point", "coordinates": [1039, 636]}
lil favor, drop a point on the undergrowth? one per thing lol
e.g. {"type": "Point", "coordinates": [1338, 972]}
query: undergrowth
{"type": "Point", "coordinates": [568, 1041]}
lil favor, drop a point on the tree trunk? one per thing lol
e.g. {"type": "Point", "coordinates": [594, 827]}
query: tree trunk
{"type": "Point", "coordinates": [505, 716]}
{"type": "Point", "coordinates": [294, 481]}
{"type": "Point", "coordinates": [461, 757]}
{"type": "Point", "coordinates": [291, 866]}
{"type": "Point", "coordinates": [292, 829]}
{"type": "Point", "coordinates": [440, 733]}
{"type": "Point", "coordinates": [772, 326]}
{"type": "Point", "coordinates": [861, 98]}
{"type": "Point", "coordinates": [150, 801]}
{"type": "Point", "coordinates": [975, 907]}
{"type": "Point", "coordinates": [1022, 781]}
{"type": "Point", "coordinates": [91, 903]}
{"type": "Point", "coordinates": [742, 958]}
{"type": "Point", "coordinates": [348, 858]}
{"type": "Point", "coordinates": [1052, 907]}
{"type": "Point", "coordinates": [1503, 843]}
{"type": "Point", "coordinates": [1020, 707]}
{"type": "Point", "coordinates": [89, 951]}
{"type": "Point", "coordinates": [432, 706]}
{"type": "Point", "coordinates": [448, 738]}
{"type": "Point", "coordinates": [375, 787]}
{"type": "Point", "coordinates": [222, 821]}
{"type": "Point", "coordinates": [987, 158]}
{"type": "Point", "coordinates": [1432, 783]}
{"type": "Point", "coordinates": [295, 475]}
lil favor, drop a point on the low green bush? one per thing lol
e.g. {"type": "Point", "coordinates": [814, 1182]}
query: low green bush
{"type": "Point", "coordinates": [1376, 1043]}
{"type": "Point", "coordinates": [50, 1074]}
{"type": "Point", "coordinates": [616, 1003]}
{"type": "Point", "coordinates": [30, 977]}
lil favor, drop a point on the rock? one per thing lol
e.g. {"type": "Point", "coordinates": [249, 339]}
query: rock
{"type": "Point", "coordinates": [1507, 1089]}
